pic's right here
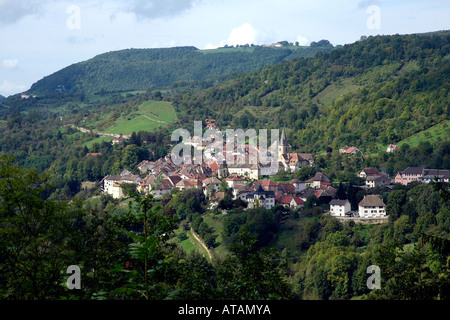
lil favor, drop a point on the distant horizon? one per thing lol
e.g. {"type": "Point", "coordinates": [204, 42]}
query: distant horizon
{"type": "Point", "coordinates": [44, 36]}
{"type": "Point", "coordinates": [224, 46]}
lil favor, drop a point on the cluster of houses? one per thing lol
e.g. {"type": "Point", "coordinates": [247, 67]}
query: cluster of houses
{"type": "Point", "coordinates": [246, 180]}
{"type": "Point", "coordinates": [249, 182]}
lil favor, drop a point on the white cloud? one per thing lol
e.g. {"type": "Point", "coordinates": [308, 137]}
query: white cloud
{"type": "Point", "coordinates": [244, 34]}
{"type": "Point", "coordinates": [8, 88]}
{"type": "Point", "coordinates": [10, 64]}
{"type": "Point", "coordinates": [210, 46]}
{"type": "Point", "coordinates": [241, 35]}
{"type": "Point", "coordinates": [303, 41]}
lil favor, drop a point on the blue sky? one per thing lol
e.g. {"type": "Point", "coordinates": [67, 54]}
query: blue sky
{"type": "Point", "coordinates": [39, 37]}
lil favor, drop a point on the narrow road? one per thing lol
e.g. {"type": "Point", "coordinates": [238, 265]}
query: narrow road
{"type": "Point", "coordinates": [201, 242]}
{"type": "Point", "coordinates": [102, 134]}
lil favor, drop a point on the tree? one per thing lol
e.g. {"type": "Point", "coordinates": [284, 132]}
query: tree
{"type": "Point", "coordinates": [147, 250]}
{"type": "Point", "coordinates": [33, 231]}
{"type": "Point", "coordinates": [395, 202]}
{"type": "Point", "coordinates": [305, 173]}
{"type": "Point", "coordinates": [251, 273]}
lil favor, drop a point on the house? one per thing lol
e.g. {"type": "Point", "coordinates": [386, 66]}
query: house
{"type": "Point", "coordinates": [113, 184]}
{"type": "Point", "coordinates": [234, 180]}
{"type": "Point", "coordinates": [392, 147]}
{"type": "Point", "coordinates": [261, 198]}
{"type": "Point", "coordinates": [408, 175]}
{"type": "Point", "coordinates": [145, 185]}
{"type": "Point", "coordinates": [325, 191]}
{"type": "Point", "coordinates": [94, 154]}
{"type": "Point", "coordinates": [339, 208]}
{"type": "Point", "coordinates": [268, 184]}
{"type": "Point", "coordinates": [421, 174]}
{"type": "Point", "coordinates": [318, 180]}
{"type": "Point", "coordinates": [267, 168]}
{"type": "Point", "coordinates": [211, 185]}
{"type": "Point", "coordinates": [286, 189]}
{"type": "Point", "coordinates": [115, 189]}
{"type": "Point", "coordinates": [117, 140]}
{"type": "Point", "coordinates": [298, 160]}
{"type": "Point", "coordinates": [349, 150]}
{"type": "Point", "coordinates": [306, 159]}
{"type": "Point", "coordinates": [430, 175]}
{"type": "Point", "coordinates": [248, 170]}
{"type": "Point", "coordinates": [379, 180]}
{"type": "Point", "coordinates": [215, 199]}
{"type": "Point", "coordinates": [244, 190]}
{"type": "Point", "coordinates": [368, 172]}
{"type": "Point", "coordinates": [299, 185]}
{"type": "Point", "coordinates": [211, 124]}
{"type": "Point", "coordinates": [189, 184]}
{"type": "Point", "coordinates": [290, 202]}
{"type": "Point", "coordinates": [305, 194]}
{"type": "Point", "coordinates": [371, 207]}
{"type": "Point", "coordinates": [162, 187]}
{"type": "Point", "coordinates": [145, 166]}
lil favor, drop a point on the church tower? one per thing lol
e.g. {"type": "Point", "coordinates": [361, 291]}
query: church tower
{"type": "Point", "coordinates": [283, 147]}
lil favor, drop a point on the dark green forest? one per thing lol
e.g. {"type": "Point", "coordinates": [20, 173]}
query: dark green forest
{"type": "Point", "coordinates": [374, 92]}
{"type": "Point", "coordinates": [139, 69]}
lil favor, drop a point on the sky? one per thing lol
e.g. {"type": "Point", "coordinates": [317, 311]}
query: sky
{"type": "Point", "coordinates": [40, 37]}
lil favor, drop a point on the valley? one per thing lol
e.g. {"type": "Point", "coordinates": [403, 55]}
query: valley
{"type": "Point", "coordinates": [85, 168]}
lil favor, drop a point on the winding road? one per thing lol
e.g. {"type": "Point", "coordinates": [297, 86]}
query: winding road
{"type": "Point", "coordinates": [102, 134]}
{"type": "Point", "coordinates": [201, 242]}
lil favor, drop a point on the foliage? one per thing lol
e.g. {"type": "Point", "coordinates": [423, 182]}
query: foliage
{"type": "Point", "coordinates": [251, 273]}
{"type": "Point", "coordinates": [139, 69]}
{"type": "Point", "coordinates": [393, 89]}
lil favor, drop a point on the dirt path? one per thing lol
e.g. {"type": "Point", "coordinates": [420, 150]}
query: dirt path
{"type": "Point", "coordinates": [147, 117]}
{"type": "Point", "coordinates": [101, 134]}
{"type": "Point", "coordinates": [201, 242]}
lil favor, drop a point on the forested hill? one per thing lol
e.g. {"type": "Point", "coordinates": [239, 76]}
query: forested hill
{"type": "Point", "coordinates": [377, 91]}
{"type": "Point", "coordinates": [139, 69]}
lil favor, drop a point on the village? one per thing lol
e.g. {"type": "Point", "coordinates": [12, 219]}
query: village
{"type": "Point", "coordinates": [250, 182]}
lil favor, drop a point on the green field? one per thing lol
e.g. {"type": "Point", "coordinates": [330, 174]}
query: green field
{"type": "Point", "coordinates": [149, 116]}
{"type": "Point", "coordinates": [215, 222]}
{"type": "Point", "coordinates": [440, 131]}
{"type": "Point", "coordinates": [97, 140]}
{"type": "Point", "coordinates": [186, 244]}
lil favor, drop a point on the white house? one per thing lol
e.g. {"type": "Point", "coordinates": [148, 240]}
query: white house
{"type": "Point", "coordinates": [291, 202]}
{"type": "Point", "coordinates": [366, 172]}
{"type": "Point", "coordinates": [113, 184]}
{"type": "Point", "coordinates": [339, 208]}
{"type": "Point", "coordinates": [392, 147]}
{"type": "Point", "coordinates": [372, 207]}
{"type": "Point", "coordinates": [244, 170]}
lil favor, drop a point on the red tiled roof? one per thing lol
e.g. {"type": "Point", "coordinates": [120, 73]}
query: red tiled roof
{"type": "Point", "coordinates": [214, 166]}
{"type": "Point", "coordinates": [269, 183]}
{"type": "Point", "coordinates": [288, 200]}
{"type": "Point", "coordinates": [350, 149]}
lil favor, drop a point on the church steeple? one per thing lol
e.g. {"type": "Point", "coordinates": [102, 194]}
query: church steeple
{"type": "Point", "coordinates": [283, 146]}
